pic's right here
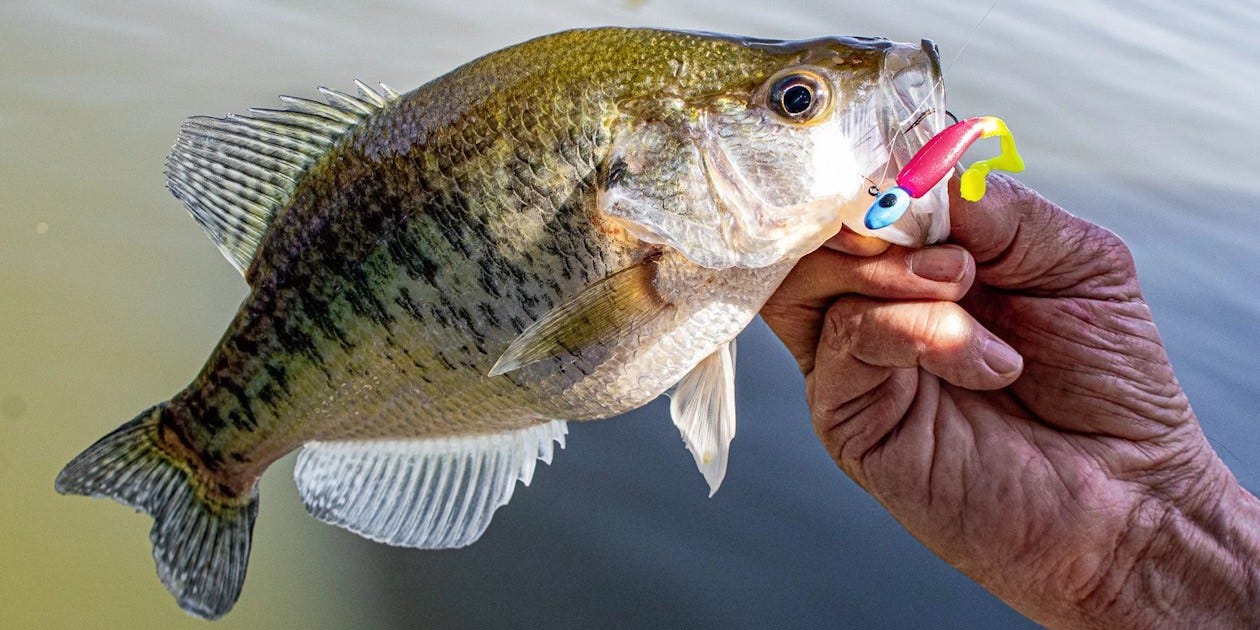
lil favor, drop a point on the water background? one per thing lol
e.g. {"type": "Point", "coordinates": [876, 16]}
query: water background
{"type": "Point", "coordinates": [1139, 115]}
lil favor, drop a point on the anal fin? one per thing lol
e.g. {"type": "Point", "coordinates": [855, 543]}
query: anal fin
{"type": "Point", "coordinates": [702, 405]}
{"type": "Point", "coordinates": [433, 494]}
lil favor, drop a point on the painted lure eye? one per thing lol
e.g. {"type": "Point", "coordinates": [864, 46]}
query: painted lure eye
{"type": "Point", "coordinates": [799, 97]}
{"type": "Point", "coordinates": [887, 209]}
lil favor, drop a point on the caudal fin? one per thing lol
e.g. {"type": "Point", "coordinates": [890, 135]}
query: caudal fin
{"type": "Point", "coordinates": [201, 546]}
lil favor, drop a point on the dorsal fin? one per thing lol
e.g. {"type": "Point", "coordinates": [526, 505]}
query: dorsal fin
{"type": "Point", "coordinates": [235, 173]}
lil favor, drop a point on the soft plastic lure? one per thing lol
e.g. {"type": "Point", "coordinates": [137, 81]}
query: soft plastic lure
{"type": "Point", "coordinates": [937, 158]}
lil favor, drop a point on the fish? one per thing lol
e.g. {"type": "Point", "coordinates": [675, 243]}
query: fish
{"type": "Point", "coordinates": [439, 280]}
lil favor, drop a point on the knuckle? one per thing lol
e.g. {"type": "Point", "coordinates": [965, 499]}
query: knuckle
{"type": "Point", "coordinates": [780, 310]}
{"type": "Point", "coordinates": [928, 323]}
{"type": "Point", "coordinates": [1111, 270]}
{"type": "Point", "coordinates": [895, 332]}
{"type": "Point", "coordinates": [951, 323]}
{"type": "Point", "coordinates": [1114, 250]}
{"type": "Point", "coordinates": [844, 318]}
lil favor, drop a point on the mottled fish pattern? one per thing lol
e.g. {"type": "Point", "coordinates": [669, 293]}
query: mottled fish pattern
{"type": "Point", "coordinates": [402, 248]}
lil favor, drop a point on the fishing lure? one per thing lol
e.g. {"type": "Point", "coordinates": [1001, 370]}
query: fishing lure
{"type": "Point", "coordinates": [937, 158]}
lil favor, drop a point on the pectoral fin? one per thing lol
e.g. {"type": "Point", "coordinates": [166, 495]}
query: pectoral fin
{"type": "Point", "coordinates": [703, 407]}
{"type": "Point", "coordinates": [607, 312]}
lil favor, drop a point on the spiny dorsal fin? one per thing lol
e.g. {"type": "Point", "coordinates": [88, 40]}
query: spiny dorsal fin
{"type": "Point", "coordinates": [235, 173]}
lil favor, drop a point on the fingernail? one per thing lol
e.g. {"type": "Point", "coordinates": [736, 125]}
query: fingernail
{"type": "Point", "coordinates": [939, 264]}
{"type": "Point", "coordinates": [1000, 357]}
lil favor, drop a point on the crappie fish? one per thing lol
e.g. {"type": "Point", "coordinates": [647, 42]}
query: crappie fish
{"type": "Point", "coordinates": [561, 230]}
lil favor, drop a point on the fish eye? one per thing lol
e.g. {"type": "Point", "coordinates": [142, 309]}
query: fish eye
{"type": "Point", "coordinates": [799, 96]}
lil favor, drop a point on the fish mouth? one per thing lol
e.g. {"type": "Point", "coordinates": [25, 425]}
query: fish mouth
{"type": "Point", "coordinates": [913, 96]}
{"type": "Point", "coordinates": [915, 93]}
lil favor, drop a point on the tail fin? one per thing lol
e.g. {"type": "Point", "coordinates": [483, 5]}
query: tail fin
{"type": "Point", "coordinates": [201, 547]}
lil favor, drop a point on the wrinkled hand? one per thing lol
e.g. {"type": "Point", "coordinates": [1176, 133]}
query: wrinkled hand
{"type": "Point", "coordinates": [1008, 399]}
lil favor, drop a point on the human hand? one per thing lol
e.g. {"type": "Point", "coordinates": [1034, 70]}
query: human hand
{"type": "Point", "coordinates": [1032, 433]}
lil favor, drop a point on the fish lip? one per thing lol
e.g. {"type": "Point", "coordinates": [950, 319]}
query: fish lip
{"type": "Point", "coordinates": [933, 52]}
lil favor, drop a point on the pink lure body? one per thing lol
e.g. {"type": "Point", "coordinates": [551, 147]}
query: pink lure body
{"type": "Point", "coordinates": [937, 158]}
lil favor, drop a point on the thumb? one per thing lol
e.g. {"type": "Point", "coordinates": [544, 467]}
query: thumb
{"type": "Point", "coordinates": [1021, 241]}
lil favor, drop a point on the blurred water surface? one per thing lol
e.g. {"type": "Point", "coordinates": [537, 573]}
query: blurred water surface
{"type": "Point", "coordinates": [1140, 115]}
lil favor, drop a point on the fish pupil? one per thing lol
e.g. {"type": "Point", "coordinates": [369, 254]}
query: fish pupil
{"type": "Point", "coordinates": [888, 200]}
{"type": "Point", "coordinates": [797, 99]}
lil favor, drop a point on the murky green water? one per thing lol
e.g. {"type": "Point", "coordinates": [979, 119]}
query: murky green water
{"type": "Point", "coordinates": [1138, 115]}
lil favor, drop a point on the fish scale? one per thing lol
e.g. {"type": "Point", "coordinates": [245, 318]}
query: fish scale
{"type": "Point", "coordinates": [561, 230]}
